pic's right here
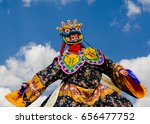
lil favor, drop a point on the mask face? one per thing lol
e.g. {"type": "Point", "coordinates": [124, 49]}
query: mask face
{"type": "Point", "coordinates": [71, 32]}
{"type": "Point", "coordinates": [72, 35]}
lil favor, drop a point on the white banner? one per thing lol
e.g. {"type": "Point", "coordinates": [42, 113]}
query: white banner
{"type": "Point", "coordinates": [48, 115]}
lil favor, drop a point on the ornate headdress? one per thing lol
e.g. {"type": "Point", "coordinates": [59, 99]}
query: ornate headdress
{"type": "Point", "coordinates": [71, 34]}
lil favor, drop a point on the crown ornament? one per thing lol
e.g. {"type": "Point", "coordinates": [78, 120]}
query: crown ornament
{"type": "Point", "coordinates": [69, 25]}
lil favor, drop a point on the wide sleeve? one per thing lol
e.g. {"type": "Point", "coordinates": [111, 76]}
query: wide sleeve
{"type": "Point", "coordinates": [31, 90]}
{"type": "Point", "coordinates": [129, 84]}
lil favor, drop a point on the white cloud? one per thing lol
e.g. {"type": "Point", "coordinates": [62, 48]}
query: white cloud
{"type": "Point", "coordinates": [64, 2]}
{"type": "Point", "coordinates": [144, 102]}
{"type": "Point", "coordinates": [127, 27]}
{"type": "Point", "coordinates": [90, 2]}
{"type": "Point", "coordinates": [140, 66]}
{"type": "Point", "coordinates": [145, 5]}
{"type": "Point", "coordinates": [3, 101]}
{"type": "Point", "coordinates": [132, 8]}
{"type": "Point", "coordinates": [29, 60]}
{"type": "Point", "coordinates": [27, 3]}
{"type": "Point", "coordinates": [114, 23]}
{"type": "Point", "coordinates": [138, 8]}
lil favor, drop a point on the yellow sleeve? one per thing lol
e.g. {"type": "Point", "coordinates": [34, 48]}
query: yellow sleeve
{"type": "Point", "coordinates": [36, 86]}
{"type": "Point", "coordinates": [35, 89]}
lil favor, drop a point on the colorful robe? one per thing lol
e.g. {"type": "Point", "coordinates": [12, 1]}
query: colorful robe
{"type": "Point", "coordinates": [81, 76]}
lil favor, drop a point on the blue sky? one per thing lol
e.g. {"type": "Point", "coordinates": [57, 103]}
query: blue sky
{"type": "Point", "coordinates": [119, 28]}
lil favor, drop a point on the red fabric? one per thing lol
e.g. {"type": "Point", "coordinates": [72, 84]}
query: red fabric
{"type": "Point", "coordinates": [62, 48]}
{"type": "Point", "coordinates": [75, 48]}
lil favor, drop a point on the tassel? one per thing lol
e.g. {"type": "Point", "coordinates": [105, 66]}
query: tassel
{"type": "Point", "coordinates": [62, 48]}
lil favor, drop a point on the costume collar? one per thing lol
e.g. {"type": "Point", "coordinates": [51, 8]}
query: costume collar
{"type": "Point", "coordinates": [71, 62]}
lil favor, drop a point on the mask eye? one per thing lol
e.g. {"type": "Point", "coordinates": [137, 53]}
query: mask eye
{"type": "Point", "coordinates": [67, 30]}
{"type": "Point", "coordinates": [77, 28]}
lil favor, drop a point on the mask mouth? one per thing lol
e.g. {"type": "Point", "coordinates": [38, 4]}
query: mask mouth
{"type": "Point", "coordinates": [74, 37]}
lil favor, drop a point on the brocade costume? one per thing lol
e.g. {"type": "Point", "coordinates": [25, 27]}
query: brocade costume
{"type": "Point", "coordinates": [82, 71]}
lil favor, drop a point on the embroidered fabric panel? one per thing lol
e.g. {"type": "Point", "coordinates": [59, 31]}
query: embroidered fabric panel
{"type": "Point", "coordinates": [85, 95]}
{"type": "Point", "coordinates": [93, 56]}
{"type": "Point", "coordinates": [110, 100]}
{"type": "Point", "coordinates": [71, 62]}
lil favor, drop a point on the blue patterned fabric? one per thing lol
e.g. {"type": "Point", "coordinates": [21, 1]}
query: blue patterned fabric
{"type": "Point", "coordinates": [132, 76]}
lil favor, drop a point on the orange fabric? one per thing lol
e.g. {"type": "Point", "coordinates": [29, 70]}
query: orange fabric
{"type": "Point", "coordinates": [16, 99]}
{"type": "Point", "coordinates": [34, 90]}
{"type": "Point", "coordinates": [137, 90]}
{"type": "Point", "coordinates": [83, 95]}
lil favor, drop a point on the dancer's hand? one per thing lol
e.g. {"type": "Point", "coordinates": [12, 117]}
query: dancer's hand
{"type": "Point", "coordinates": [123, 72]}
